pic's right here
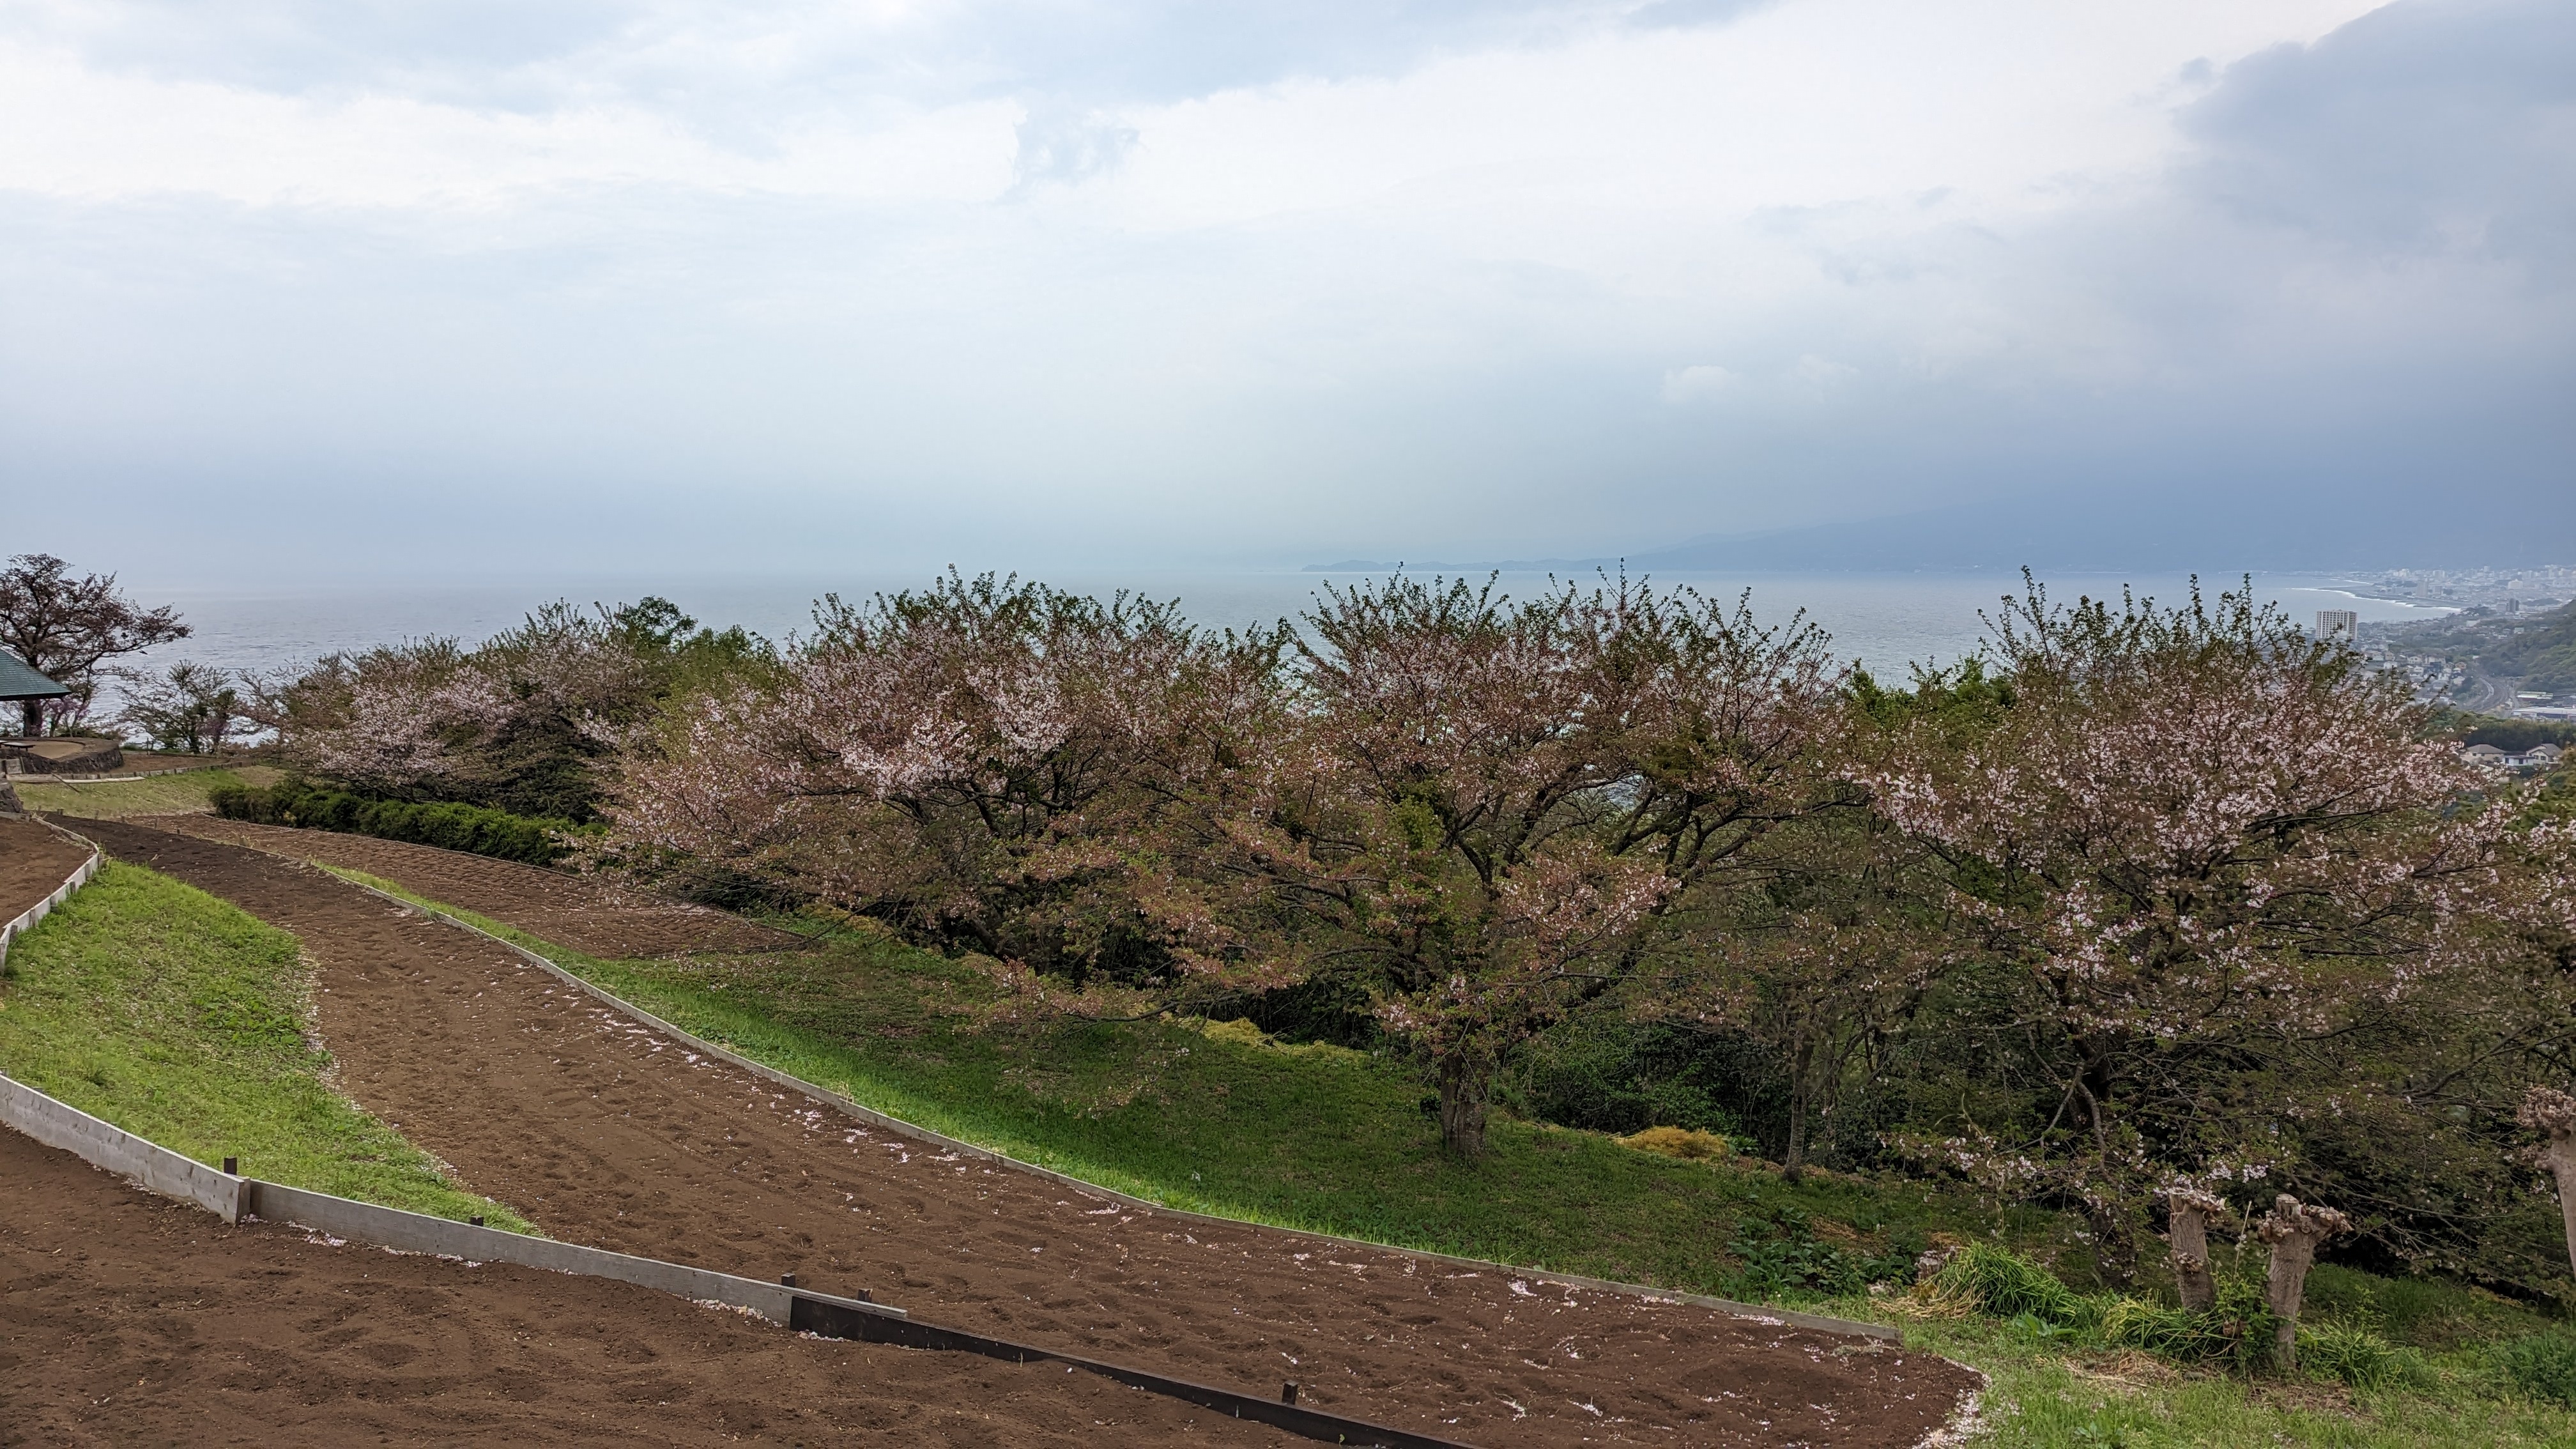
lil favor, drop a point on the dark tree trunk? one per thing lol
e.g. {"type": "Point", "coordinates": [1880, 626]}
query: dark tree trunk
{"type": "Point", "coordinates": [31, 715]}
{"type": "Point", "coordinates": [1793, 1163]}
{"type": "Point", "coordinates": [1465, 1083]}
{"type": "Point", "coordinates": [2115, 1243]}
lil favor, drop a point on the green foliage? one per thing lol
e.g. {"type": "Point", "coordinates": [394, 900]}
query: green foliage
{"type": "Point", "coordinates": [2170, 1332]}
{"type": "Point", "coordinates": [474, 829]}
{"type": "Point", "coordinates": [2543, 652]}
{"type": "Point", "coordinates": [2237, 1333]}
{"type": "Point", "coordinates": [2048, 1394]}
{"type": "Point", "coordinates": [2427, 1313]}
{"type": "Point", "coordinates": [1784, 1258]}
{"type": "Point", "coordinates": [2355, 1356]}
{"type": "Point", "coordinates": [2513, 735]}
{"type": "Point", "coordinates": [179, 1018]}
{"type": "Point", "coordinates": [1603, 1073]}
{"type": "Point", "coordinates": [2541, 1366]}
{"type": "Point", "coordinates": [2008, 1285]}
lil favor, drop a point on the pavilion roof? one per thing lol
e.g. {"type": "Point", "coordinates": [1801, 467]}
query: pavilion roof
{"type": "Point", "coordinates": [17, 681]}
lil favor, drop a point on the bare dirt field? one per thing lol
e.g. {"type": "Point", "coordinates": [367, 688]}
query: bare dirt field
{"type": "Point", "coordinates": [34, 862]}
{"type": "Point", "coordinates": [585, 914]}
{"type": "Point", "coordinates": [603, 1133]}
{"type": "Point", "coordinates": [129, 1319]}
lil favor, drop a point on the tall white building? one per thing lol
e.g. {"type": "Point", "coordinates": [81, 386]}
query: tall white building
{"type": "Point", "coordinates": [2341, 624]}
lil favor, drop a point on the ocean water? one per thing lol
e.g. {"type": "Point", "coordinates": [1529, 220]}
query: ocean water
{"type": "Point", "coordinates": [1886, 621]}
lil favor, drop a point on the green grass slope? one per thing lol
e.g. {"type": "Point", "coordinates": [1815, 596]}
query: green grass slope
{"type": "Point", "coordinates": [175, 1016]}
{"type": "Point", "coordinates": [170, 794]}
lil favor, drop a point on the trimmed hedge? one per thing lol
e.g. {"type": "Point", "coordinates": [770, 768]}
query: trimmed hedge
{"type": "Point", "coordinates": [475, 829]}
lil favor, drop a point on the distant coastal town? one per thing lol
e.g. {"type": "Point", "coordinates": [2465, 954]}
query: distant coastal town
{"type": "Point", "coordinates": [2507, 646]}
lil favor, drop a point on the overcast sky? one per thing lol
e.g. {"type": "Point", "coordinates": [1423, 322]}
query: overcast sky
{"type": "Point", "coordinates": [355, 288]}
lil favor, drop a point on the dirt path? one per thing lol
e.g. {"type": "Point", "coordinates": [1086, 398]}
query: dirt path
{"type": "Point", "coordinates": [587, 915]}
{"type": "Point", "coordinates": [605, 1134]}
{"type": "Point", "coordinates": [34, 862]}
{"type": "Point", "coordinates": [128, 1319]}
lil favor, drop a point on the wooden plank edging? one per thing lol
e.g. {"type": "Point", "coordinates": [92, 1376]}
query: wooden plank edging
{"type": "Point", "coordinates": [824, 1096]}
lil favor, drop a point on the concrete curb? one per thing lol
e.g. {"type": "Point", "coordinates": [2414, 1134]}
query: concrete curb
{"type": "Point", "coordinates": [103, 1145]}
{"type": "Point", "coordinates": [826, 1097]}
{"type": "Point", "coordinates": [233, 1198]}
{"type": "Point", "coordinates": [41, 909]}
{"type": "Point", "coordinates": [158, 1169]}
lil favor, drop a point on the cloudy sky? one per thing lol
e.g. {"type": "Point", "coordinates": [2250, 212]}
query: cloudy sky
{"type": "Point", "coordinates": [361, 288]}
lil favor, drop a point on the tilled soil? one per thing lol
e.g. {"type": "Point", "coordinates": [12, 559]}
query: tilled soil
{"type": "Point", "coordinates": [588, 915]}
{"type": "Point", "coordinates": [129, 1319]}
{"type": "Point", "coordinates": [605, 1133]}
{"type": "Point", "coordinates": [34, 863]}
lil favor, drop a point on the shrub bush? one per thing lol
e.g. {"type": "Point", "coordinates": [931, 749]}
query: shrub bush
{"type": "Point", "coordinates": [1683, 1142]}
{"type": "Point", "coordinates": [2009, 1286]}
{"type": "Point", "coordinates": [2168, 1332]}
{"type": "Point", "coordinates": [2357, 1356]}
{"type": "Point", "coordinates": [475, 829]}
{"type": "Point", "coordinates": [2541, 1366]}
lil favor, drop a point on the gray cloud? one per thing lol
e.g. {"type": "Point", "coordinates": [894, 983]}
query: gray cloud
{"type": "Point", "coordinates": [2341, 326]}
{"type": "Point", "coordinates": [2431, 126]}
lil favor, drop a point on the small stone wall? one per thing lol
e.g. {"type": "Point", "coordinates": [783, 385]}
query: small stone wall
{"type": "Point", "coordinates": [71, 755]}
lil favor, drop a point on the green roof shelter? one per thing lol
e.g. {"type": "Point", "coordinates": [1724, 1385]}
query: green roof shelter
{"type": "Point", "coordinates": [19, 682]}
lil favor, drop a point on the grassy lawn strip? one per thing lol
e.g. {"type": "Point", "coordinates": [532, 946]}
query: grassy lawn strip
{"type": "Point", "coordinates": [181, 1019]}
{"type": "Point", "coordinates": [2045, 1396]}
{"type": "Point", "coordinates": [143, 795]}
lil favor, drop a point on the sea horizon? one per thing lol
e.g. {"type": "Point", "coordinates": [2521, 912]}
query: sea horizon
{"type": "Point", "coordinates": [1887, 622]}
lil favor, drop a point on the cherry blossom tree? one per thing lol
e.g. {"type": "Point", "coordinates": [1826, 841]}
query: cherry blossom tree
{"type": "Point", "coordinates": [2203, 838]}
{"type": "Point", "coordinates": [190, 707]}
{"type": "Point", "coordinates": [518, 721]}
{"type": "Point", "coordinates": [66, 627]}
{"type": "Point", "coordinates": [1488, 802]}
{"type": "Point", "coordinates": [985, 764]}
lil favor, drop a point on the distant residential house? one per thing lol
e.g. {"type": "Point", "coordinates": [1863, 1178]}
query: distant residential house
{"type": "Point", "coordinates": [2538, 757]}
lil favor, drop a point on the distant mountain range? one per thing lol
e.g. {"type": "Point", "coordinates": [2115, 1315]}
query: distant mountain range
{"type": "Point", "coordinates": [2167, 532]}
